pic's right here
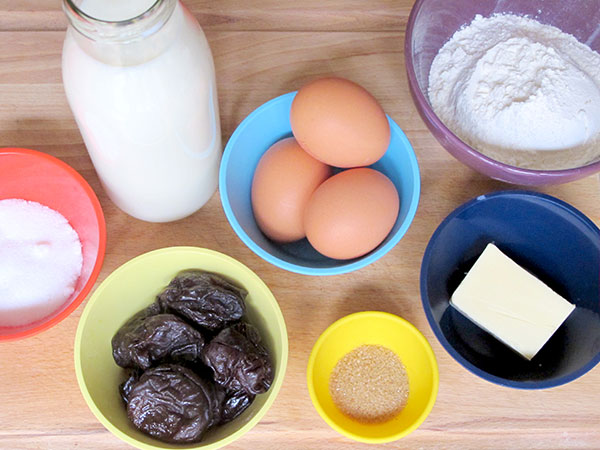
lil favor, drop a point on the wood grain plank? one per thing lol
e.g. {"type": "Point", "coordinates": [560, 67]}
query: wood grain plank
{"type": "Point", "coordinates": [280, 15]}
{"type": "Point", "coordinates": [40, 403]}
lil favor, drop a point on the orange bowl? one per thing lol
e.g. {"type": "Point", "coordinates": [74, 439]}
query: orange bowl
{"type": "Point", "coordinates": [36, 176]}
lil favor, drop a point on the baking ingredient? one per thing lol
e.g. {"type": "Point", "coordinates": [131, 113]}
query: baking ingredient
{"type": "Point", "coordinates": [369, 384]}
{"type": "Point", "coordinates": [232, 403]}
{"type": "Point", "coordinates": [177, 386]}
{"type": "Point", "coordinates": [521, 92]}
{"type": "Point", "coordinates": [40, 262]}
{"type": "Point", "coordinates": [235, 403]}
{"type": "Point", "coordinates": [351, 213]}
{"type": "Point", "coordinates": [146, 339]}
{"type": "Point", "coordinates": [205, 299]}
{"type": "Point", "coordinates": [284, 179]}
{"type": "Point", "coordinates": [239, 360]}
{"type": "Point", "coordinates": [339, 123]}
{"type": "Point", "coordinates": [510, 303]}
{"type": "Point", "coordinates": [172, 403]}
{"type": "Point", "coordinates": [127, 385]}
{"type": "Point", "coordinates": [147, 109]}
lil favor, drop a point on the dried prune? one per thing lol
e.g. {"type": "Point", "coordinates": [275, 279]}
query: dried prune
{"type": "Point", "coordinates": [171, 403]}
{"type": "Point", "coordinates": [234, 403]}
{"type": "Point", "coordinates": [178, 387]}
{"type": "Point", "coordinates": [147, 339]}
{"type": "Point", "coordinates": [205, 299]}
{"type": "Point", "coordinates": [127, 385]}
{"type": "Point", "coordinates": [238, 359]}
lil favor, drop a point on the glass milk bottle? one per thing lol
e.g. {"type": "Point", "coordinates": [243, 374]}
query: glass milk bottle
{"type": "Point", "coordinates": [140, 79]}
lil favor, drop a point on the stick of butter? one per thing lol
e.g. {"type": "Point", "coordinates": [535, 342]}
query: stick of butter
{"type": "Point", "coordinates": [511, 304]}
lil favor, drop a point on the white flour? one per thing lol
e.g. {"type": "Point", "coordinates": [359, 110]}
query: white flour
{"type": "Point", "coordinates": [521, 92]}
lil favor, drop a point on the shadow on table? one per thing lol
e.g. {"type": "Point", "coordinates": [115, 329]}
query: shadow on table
{"type": "Point", "coordinates": [370, 297]}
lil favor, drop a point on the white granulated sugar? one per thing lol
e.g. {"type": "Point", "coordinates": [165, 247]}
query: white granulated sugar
{"type": "Point", "coordinates": [519, 91]}
{"type": "Point", "coordinates": [40, 261]}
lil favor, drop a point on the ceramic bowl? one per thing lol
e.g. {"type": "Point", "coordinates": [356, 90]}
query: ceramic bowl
{"type": "Point", "coordinates": [547, 237]}
{"type": "Point", "coordinates": [253, 137]}
{"type": "Point", "coordinates": [132, 287]}
{"type": "Point", "coordinates": [433, 22]}
{"type": "Point", "coordinates": [31, 175]}
{"type": "Point", "coordinates": [374, 328]}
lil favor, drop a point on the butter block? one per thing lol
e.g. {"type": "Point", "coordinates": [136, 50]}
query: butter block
{"type": "Point", "coordinates": [511, 304]}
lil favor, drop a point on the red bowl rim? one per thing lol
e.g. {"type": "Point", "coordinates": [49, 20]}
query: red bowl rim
{"type": "Point", "coordinates": [101, 243]}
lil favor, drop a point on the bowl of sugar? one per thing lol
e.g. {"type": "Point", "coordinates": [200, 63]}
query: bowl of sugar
{"type": "Point", "coordinates": [509, 88]}
{"type": "Point", "coordinates": [52, 241]}
{"type": "Point", "coordinates": [509, 285]}
{"type": "Point", "coordinates": [373, 377]}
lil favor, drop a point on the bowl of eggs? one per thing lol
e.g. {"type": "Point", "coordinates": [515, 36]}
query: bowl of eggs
{"type": "Point", "coordinates": [320, 181]}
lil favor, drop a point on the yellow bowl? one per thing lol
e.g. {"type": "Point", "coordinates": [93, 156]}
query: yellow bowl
{"type": "Point", "coordinates": [135, 285]}
{"type": "Point", "coordinates": [375, 328]}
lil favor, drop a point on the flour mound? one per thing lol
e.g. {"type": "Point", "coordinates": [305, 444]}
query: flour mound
{"type": "Point", "coordinates": [519, 91]}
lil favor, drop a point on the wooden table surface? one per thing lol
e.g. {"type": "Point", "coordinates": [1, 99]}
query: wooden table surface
{"type": "Point", "coordinates": [264, 48]}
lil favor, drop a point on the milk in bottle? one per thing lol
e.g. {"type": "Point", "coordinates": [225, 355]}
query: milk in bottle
{"type": "Point", "coordinates": [140, 80]}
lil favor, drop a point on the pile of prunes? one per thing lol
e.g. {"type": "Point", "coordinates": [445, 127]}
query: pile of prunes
{"type": "Point", "coordinates": [194, 363]}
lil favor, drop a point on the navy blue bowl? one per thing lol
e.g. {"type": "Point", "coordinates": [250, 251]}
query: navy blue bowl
{"type": "Point", "coordinates": [544, 235]}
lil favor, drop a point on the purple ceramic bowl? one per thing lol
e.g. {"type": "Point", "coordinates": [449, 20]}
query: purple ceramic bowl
{"type": "Point", "coordinates": [433, 22]}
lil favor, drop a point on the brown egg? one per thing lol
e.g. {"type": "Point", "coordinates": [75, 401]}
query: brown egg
{"type": "Point", "coordinates": [339, 123]}
{"type": "Point", "coordinates": [351, 213]}
{"type": "Point", "coordinates": [285, 178]}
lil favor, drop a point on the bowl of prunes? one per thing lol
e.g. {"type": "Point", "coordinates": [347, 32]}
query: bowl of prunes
{"type": "Point", "coordinates": [181, 347]}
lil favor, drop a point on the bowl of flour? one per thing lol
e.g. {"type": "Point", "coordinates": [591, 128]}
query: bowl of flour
{"type": "Point", "coordinates": [52, 241]}
{"type": "Point", "coordinates": [511, 88]}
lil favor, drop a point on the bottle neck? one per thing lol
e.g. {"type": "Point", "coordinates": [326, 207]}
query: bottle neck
{"type": "Point", "coordinates": [118, 28]}
{"type": "Point", "coordinates": [126, 42]}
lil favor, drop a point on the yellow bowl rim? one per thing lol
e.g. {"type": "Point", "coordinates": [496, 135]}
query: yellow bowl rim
{"type": "Point", "coordinates": [273, 391]}
{"type": "Point", "coordinates": [426, 347]}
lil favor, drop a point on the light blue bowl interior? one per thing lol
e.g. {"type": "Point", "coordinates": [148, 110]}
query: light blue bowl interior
{"type": "Point", "coordinates": [262, 128]}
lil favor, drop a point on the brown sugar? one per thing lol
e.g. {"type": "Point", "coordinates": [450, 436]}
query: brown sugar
{"type": "Point", "coordinates": [369, 384]}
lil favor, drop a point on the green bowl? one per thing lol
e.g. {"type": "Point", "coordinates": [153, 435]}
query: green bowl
{"type": "Point", "coordinates": [135, 285]}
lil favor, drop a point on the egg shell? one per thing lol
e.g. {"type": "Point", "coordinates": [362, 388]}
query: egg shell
{"type": "Point", "coordinates": [340, 123]}
{"type": "Point", "coordinates": [284, 179]}
{"type": "Point", "coordinates": [351, 213]}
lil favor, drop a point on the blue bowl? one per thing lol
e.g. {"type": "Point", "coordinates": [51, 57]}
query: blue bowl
{"type": "Point", "coordinates": [547, 237]}
{"type": "Point", "coordinates": [262, 128]}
